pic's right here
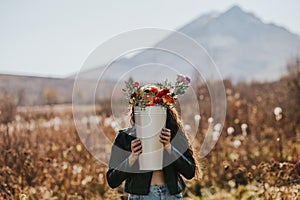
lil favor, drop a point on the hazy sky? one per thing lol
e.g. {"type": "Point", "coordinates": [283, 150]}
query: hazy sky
{"type": "Point", "coordinates": [54, 37]}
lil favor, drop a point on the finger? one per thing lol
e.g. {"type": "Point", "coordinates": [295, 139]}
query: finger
{"type": "Point", "coordinates": [137, 146]}
{"type": "Point", "coordinates": [135, 140]}
{"type": "Point", "coordinates": [164, 142]}
{"type": "Point", "coordinates": [164, 137]}
{"type": "Point", "coordinates": [139, 152]}
{"type": "Point", "coordinates": [136, 149]}
{"type": "Point", "coordinates": [166, 129]}
{"type": "Point", "coordinates": [135, 143]}
{"type": "Point", "coordinates": [166, 132]}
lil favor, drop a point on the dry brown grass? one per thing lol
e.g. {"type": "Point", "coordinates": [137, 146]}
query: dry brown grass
{"type": "Point", "coordinates": [42, 156]}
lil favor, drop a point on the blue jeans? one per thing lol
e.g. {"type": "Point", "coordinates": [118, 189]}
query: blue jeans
{"type": "Point", "coordinates": [157, 192]}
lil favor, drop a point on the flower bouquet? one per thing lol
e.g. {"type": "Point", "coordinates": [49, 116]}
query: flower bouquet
{"type": "Point", "coordinates": [150, 103]}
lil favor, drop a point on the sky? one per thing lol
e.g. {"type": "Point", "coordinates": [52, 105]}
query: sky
{"type": "Point", "coordinates": [54, 37]}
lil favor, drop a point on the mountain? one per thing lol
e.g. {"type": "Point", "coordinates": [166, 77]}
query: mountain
{"type": "Point", "coordinates": [242, 46]}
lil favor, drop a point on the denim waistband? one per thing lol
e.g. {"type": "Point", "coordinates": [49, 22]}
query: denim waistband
{"type": "Point", "coordinates": [156, 192]}
{"type": "Point", "coordinates": [158, 188]}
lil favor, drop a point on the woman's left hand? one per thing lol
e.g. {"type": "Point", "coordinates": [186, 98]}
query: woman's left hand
{"type": "Point", "coordinates": [165, 138]}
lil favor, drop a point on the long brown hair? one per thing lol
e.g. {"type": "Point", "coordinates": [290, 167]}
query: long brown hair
{"type": "Point", "coordinates": [174, 123]}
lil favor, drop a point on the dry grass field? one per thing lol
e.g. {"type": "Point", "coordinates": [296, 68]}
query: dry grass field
{"type": "Point", "coordinates": [256, 157]}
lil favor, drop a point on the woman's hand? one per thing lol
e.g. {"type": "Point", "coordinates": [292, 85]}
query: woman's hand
{"type": "Point", "coordinates": [165, 138]}
{"type": "Point", "coordinates": [136, 150]}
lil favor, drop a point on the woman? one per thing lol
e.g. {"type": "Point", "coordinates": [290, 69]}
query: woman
{"type": "Point", "coordinates": [161, 184]}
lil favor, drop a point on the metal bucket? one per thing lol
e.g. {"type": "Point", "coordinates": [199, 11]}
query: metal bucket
{"type": "Point", "coordinates": [149, 122]}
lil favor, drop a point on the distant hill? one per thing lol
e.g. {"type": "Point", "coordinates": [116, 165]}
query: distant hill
{"type": "Point", "coordinates": [33, 90]}
{"type": "Point", "coordinates": [242, 46]}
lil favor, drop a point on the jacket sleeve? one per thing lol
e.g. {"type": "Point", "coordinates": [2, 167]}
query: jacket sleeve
{"type": "Point", "coordinates": [182, 156]}
{"type": "Point", "coordinates": [118, 169]}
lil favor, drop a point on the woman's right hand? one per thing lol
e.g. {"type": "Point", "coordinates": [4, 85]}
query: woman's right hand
{"type": "Point", "coordinates": [136, 150]}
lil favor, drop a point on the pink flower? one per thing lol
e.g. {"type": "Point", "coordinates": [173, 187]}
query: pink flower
{"type": "Point", "coordinates": [183, 78]}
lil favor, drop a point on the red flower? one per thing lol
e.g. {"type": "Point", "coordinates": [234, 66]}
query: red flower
{"type": "Point", "coordinates": [133, 95]}
{"type": "Point", "coordinates": [136, 84]}
{"type": "Point", "coordinates": [168, 99]}
{"type": "Point", "coordinates": [163, 92]}
{"type": "Point", "coordinates": [153, 89]}
{"type": "Point", "coordinates": [157, 100]}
